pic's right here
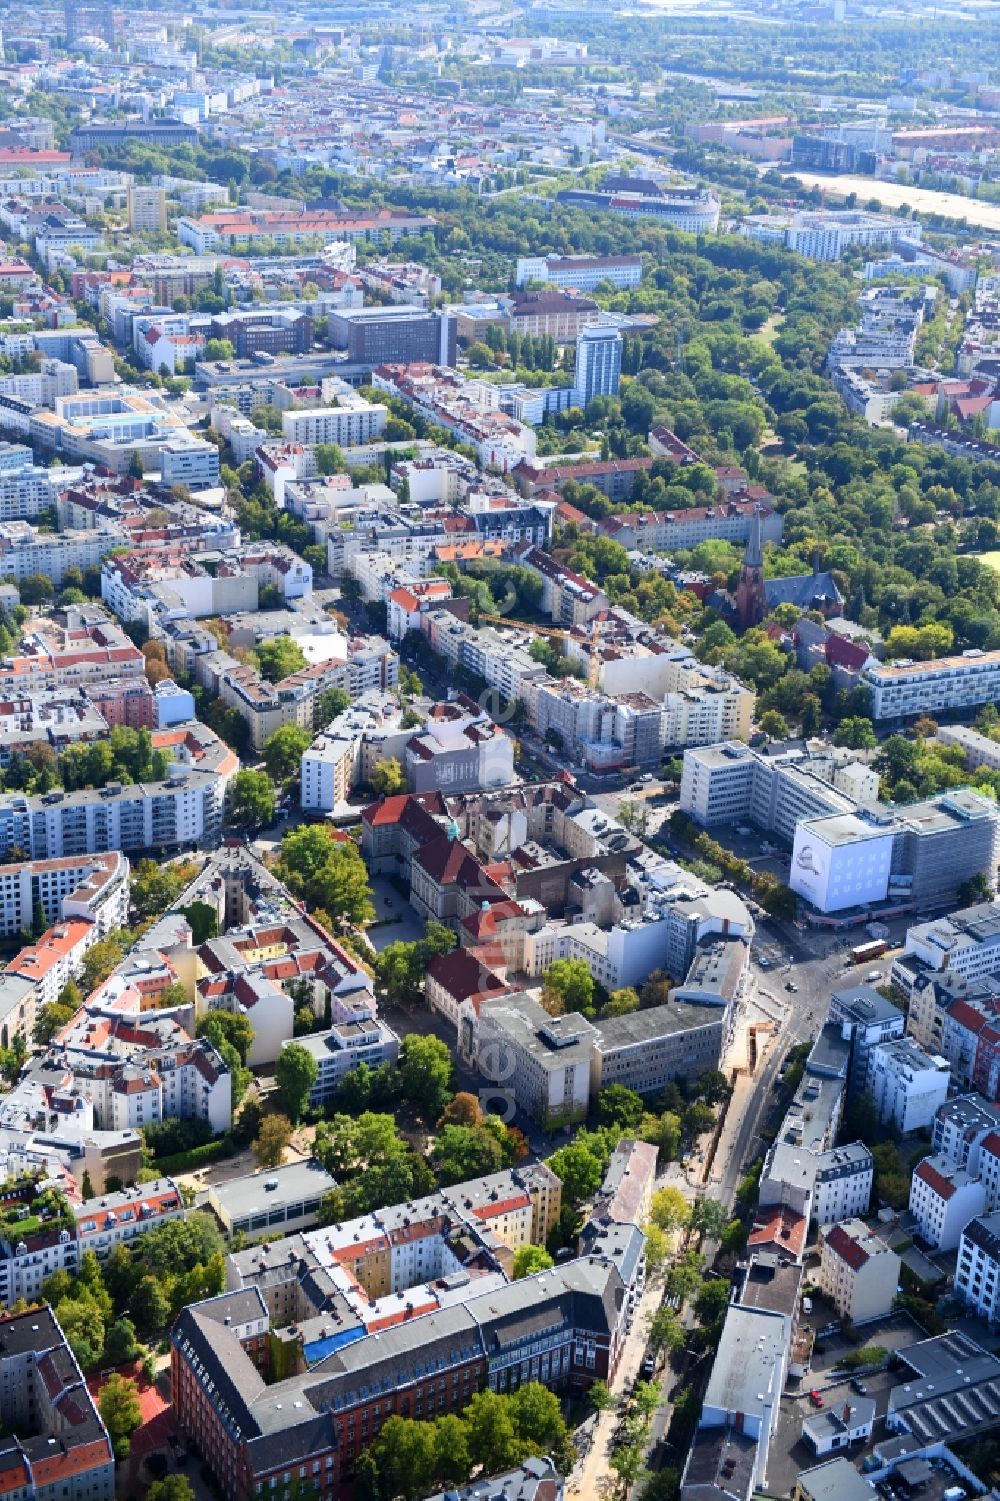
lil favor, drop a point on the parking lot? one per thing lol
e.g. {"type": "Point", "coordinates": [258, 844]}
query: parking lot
{"type": "Point", "coordinates": [790, 1452]}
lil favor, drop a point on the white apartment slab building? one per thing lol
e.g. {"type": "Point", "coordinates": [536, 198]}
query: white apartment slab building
{"type": "Point", "coordinates": [582, 272]}
{"type": "Point", "coordinates": [352, 420]}
{"type": "Point", "coordinates": [961, 1126]}
{"type": "Point", "coordinates": [903, 689]}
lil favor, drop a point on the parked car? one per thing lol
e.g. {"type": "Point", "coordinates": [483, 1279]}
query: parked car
{"type": "Point", "coordinates": [816, 1399]}
{"type": "Point", "coordinates": [857, 1385]}
{"type": "Point", "coordinates": [648, 1366]}
{"type": "Point", "coordinates": [791, 987]}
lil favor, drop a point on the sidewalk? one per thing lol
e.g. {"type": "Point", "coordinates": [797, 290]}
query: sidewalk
{"type": "Point", "coordinates": [591, 1477]}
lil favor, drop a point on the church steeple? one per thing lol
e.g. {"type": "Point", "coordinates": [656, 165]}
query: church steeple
{"type": "Point", "coordinates": [751, 604]}
{"type": "Point", "coordinates": [753, 552]}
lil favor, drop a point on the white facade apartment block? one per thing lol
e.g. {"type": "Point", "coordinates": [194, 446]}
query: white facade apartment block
{"type": "Point", "coordinates": [88, 887]}
{"type": "Point", "coordinates": [943, 1199]}
{"type": "Point", "coordinates": [979, 749]}
{"type": "Point", "coordinates": [28, 1264]}
{"type": "Point", "coordinates": [965, 942]}
{"type": "Point", "coordinates": [25, 551]}
{"type": "Point", "coordinates": [342, 1049]}
{"type": "Point", "coordinates": [116, 1219]}
{"type": "Point", "coordinates": [25, 491]}
{"type": "Point", "coordinates": [901, 689]}
{"type": "Point", "coordinates": [327, 772]}
{"type": "Point", "coordinates": [989, 1170]}
{"type": "Point", "coordinates": [358, 422]}
{"type": "Point", "coordinates": [843, 1185]}
{"type": "Point", "coordinates": [977, 1272]}
{"type": "Point", "coordinates": [906, 1084]}
{"type": "Point", "coordinates": [962, 1127]}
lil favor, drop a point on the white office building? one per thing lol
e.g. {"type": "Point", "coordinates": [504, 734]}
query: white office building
{"type": "Point", "coordinates": [841, 862]}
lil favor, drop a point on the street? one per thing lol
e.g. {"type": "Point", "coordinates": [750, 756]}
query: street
{"type": "Point", "coordinates": [817, 962]}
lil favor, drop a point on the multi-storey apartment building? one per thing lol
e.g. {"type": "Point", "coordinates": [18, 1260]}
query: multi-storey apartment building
{"type": "Point", "coordinates": [867, 1020]}
{"type": "Point", "coordinates": [86, 651]}
{"type": "Point", "coordinates": [966, 943]}
{"type": "Point", "coordinates": [117, 1219]}
{"type": "Point", "coordinates": [961, 1125]}
{"type": "Point", "coordinates": [730, 520]}
{"type": "Point", "coordinates": [185, 809]}
{"type": "Point", "coordinates": [87, 886]}
{"type": "Point", "coordinates": [857, 1271]}
{"type": "Point", "coordinates": [344, 1047]}
{"type": "Point", "coordinates": [352, 420]}
{"type": "Point", "coordinates": [901, 690]}
{"type": "Point", "coordinates": [943, 1199]}
{"type": "Point", "coordinates": [25, 488]}
{"type": "Point", "coordinates": [907, 1086]}
{"type": "Point", "coordinates": [977, 1271]}
{"type": "Point", "coordinates": [230, 226]}
{"type": "Point", "coordinates": [25, 551]}
{"type": "Point", "coordinates": [59, 1446]}
{"type": "Point", "coordinates": [581, 272]}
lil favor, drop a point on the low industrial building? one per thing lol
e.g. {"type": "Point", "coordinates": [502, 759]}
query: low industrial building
{"type": "Point", "coordinates": [273, 1203]}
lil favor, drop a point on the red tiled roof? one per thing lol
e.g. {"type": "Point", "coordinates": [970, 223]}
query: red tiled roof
{"type": "Point", "coordinates": [782, 1228]}
{"type": "Point", "coordinates": [462, 976]}
{"type": "Point", "coordinates": [847, 1248]}
{"type": "Point", "coordinates": [841, 652]}
{"type": "Point", "coordinates": [937, 1182]}
{"type": "Point", "coordinates": [392, 810]}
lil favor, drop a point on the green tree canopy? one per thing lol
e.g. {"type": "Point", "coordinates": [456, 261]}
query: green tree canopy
{"type": "Point", "coordinates": [295, 1072]}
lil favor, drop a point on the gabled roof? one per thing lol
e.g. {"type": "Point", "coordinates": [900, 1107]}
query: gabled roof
{"type": "Point", "coordinates": [847, 1248]}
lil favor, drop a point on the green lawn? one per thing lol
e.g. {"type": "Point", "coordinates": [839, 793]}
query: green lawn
{"type": "Point", "coordinates": [991, 559]}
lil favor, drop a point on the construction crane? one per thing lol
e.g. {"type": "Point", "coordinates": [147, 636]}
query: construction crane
{"type": "Point", "coordinates": [562, 636]}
